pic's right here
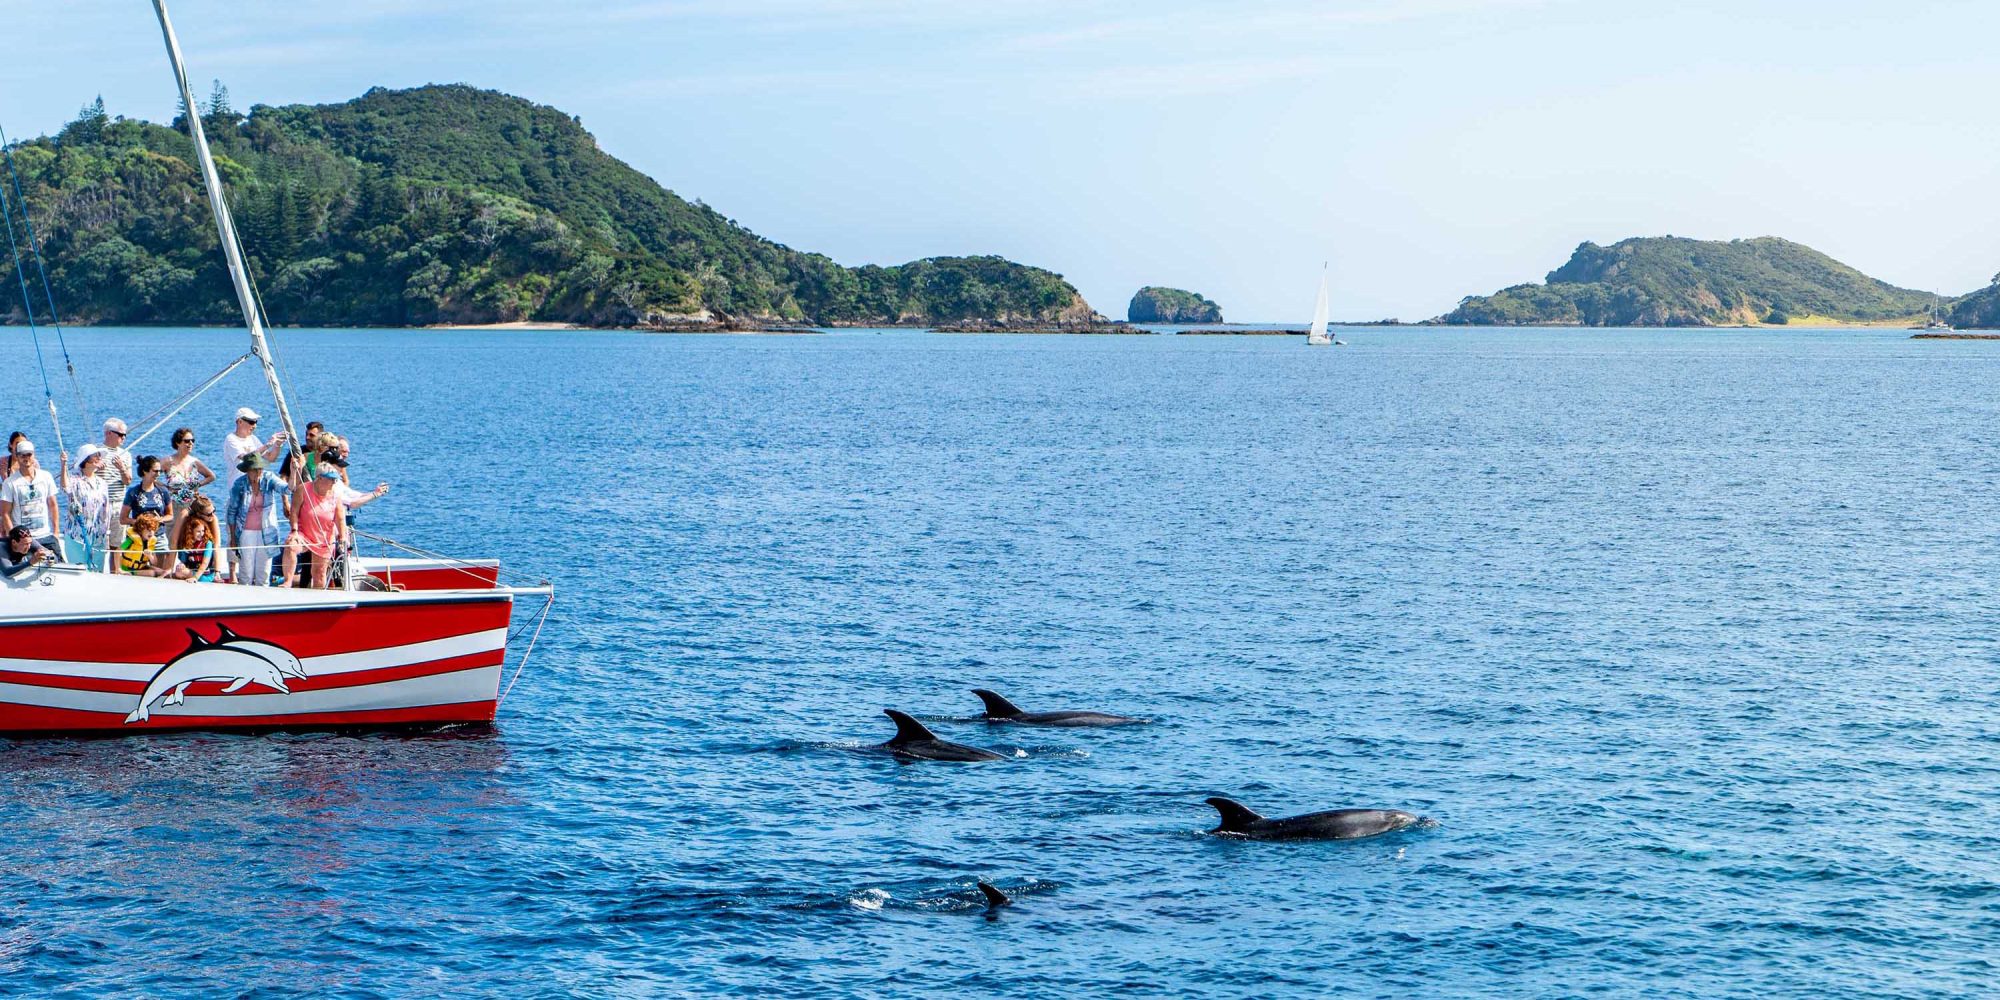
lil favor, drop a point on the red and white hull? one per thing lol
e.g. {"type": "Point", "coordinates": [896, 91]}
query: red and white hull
{"type": "Point", "coordinates": [88, 651]}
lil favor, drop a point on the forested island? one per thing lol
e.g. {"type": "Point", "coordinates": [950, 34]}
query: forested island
{"type": "Point", "coordinates": [1673, 281]}
{"type": "Point", "coordinates": [1171, 305]}
{"type": "Point", "coordinates": [449, 204]}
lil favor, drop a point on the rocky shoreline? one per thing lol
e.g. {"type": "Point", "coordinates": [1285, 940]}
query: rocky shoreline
{"type": "Point", "coordinates": [987, 326]}
{"type": "Point", "coordinates": [1239, 333]}
{"type": "Point", "coordinates": [1955, 335]}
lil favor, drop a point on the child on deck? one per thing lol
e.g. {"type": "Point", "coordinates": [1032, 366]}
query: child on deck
{"type": "Point", "coordinates": [135, 554]}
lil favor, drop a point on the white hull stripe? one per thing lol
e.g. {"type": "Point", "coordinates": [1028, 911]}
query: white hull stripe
{"type": "Point", "coordinates": [459, 686]}
{"type": "Point", "coordinates": [316, 666]}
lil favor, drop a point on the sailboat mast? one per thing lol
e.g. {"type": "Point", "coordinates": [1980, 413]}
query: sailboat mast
{"type": "Point", "coordinates": [1317, 335]}
{"type": "Point", "coordinates": [225, 227]}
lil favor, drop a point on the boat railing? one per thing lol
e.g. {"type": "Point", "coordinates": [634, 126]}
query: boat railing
{"type": "Point", "coordinates": [484, 573]}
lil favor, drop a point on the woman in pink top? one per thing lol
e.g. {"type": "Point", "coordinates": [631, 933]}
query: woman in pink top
{"type": "Point", "coordinates": [317, 526]}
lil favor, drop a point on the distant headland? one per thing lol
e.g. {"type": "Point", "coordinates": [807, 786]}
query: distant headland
{"type": "Point", "coordinates": [1673, 281]}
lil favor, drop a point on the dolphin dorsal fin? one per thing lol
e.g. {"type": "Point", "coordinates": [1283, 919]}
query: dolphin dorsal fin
{"type": "Point", "coordinates": [1236, 817]}
{"type": "Point", "coordinates": [994, 897]}
{"type": "Point", "coordinates": [196, 640]}
{"type": "Point", "coordinates": [227, 633]}
{"type": "Point", "coordinates": [996, 706]}
{"type": "Point", "coordinates": [908, 730]}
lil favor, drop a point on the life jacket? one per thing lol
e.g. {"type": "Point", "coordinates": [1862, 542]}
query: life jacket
{"type": "Point", "coordinates": [193, 558]}
{"type": "Point", "coordinates": [135, 553]}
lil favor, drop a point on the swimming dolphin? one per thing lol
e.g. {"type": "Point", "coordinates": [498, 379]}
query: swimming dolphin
{"type": "Point", "coordinates": [1334, 824]}
{"type": "Point", "coordinates": [913, 742]}
{"type": "Point", "coordinates": [206, 661]}
{"type": "Point", "coordinates": [280, 657]}
{"type": "Point", "coordinates": [999, 709]}
{"type": "Point", "coordinates": [995, 899]}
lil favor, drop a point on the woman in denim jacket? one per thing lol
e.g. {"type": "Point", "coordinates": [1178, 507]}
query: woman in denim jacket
{"type": "Point", "coordinates": [256, 517]}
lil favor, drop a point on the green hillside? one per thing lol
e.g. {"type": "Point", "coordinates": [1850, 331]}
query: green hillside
{"type": "Point", "coordinates": [1672, 281]}
{"type": "Point", "coordinates": [446, 204]}
{"type": "Point", "coordinates": [1978, 310]}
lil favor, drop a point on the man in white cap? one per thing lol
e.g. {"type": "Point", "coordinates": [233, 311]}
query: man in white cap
{"type": "Point", "coordinates": [28, 499]}
{"type": "Point", "coordinates": [244, 442]}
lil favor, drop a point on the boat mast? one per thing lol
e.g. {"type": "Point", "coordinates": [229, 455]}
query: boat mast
{"type": "Point", "coordinates": [225, 227]}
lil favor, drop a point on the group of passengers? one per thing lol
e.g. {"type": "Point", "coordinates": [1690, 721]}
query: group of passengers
{"type": "Point", "coordinates": [277, 515]}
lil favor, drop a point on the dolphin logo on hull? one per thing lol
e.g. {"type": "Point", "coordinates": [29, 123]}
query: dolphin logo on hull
{"type": "Point", "coordinates": [233, 660]}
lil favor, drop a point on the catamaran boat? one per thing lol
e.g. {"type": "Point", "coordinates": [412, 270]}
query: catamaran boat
{"type": "Point", "coordinates": [418, 640]}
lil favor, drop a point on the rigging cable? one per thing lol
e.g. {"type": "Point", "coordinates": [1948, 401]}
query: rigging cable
{"type": "Point", "coordinates": [48, 292]}
{"type": "Point", "coordinates": [28, 304]}
{"type": "Point", "coordinates": [180, 402]}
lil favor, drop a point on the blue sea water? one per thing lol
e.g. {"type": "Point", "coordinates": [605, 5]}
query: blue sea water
{"type": "Point", "coordinates": [1683, 639]}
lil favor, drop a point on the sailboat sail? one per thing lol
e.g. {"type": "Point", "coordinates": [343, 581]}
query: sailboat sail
{"type": "Point", "coordinates": [1318, 332]}
{"type": "Point", "coordinates": [232, 251]}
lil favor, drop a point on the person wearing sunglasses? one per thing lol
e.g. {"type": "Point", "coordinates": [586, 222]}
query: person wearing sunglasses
{"type": "Point", "coordinates": [92, 511]}
{"type": "Point", "coordinates": [117, 468]}
{"type": "Point", "coordinates": [319, 525]}
{"type": "Point", "coordinates": [244, 441]}
{"type": "Point", "coordinates": [28, 499]}
{"type": "Point", "coordinates": [256, 520]}
{"type": "Point", "coordinates": [185, 476]}
{"type": "Point", "coordinates": [148, 496]}
{"type": "Point", "coordinates": [240, 444]}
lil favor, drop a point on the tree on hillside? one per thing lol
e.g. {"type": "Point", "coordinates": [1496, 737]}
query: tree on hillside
{"type": "Point", "coordinates": [217, 115]}
{"type": "Point", "coordinates": [88, 126]}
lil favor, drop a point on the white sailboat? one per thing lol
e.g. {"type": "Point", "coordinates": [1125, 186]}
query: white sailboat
{"type": "Point", "coordinates": [1317, 336]}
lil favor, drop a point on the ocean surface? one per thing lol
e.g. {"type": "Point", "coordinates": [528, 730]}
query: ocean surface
{"type": "Point", "coordinates": [1683, 640]}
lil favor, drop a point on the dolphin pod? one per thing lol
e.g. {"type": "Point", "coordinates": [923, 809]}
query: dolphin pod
{"type": "Point", "coordinates": [1334, 824]}
{"type": "Point", "coordinates": [914, 742]}
{"type": "Point", "coordinates": [999, 709]}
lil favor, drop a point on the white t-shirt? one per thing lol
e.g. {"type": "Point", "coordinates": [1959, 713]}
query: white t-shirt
{"type": "Point", "coordinates": [233, 450]}
{"type": "Point", "coordinates": [30, 498]}
{"type": "Point", "coordinates": [349, 494]}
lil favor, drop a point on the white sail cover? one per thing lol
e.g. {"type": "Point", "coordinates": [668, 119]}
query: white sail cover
{"type": "Point", "coordinates": [1318, 333]}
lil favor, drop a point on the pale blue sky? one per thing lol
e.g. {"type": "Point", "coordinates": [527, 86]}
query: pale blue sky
{"type": "Point", "coordinates": [1427, 148]}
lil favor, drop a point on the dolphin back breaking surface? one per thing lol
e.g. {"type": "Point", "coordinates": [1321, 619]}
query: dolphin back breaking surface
{"type": "Point", "coordinates": [999, 709]}
{"type": "Point", "coordinates": [915, 742]}
{"type": "Point", "coordinates": [1240, 820]}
